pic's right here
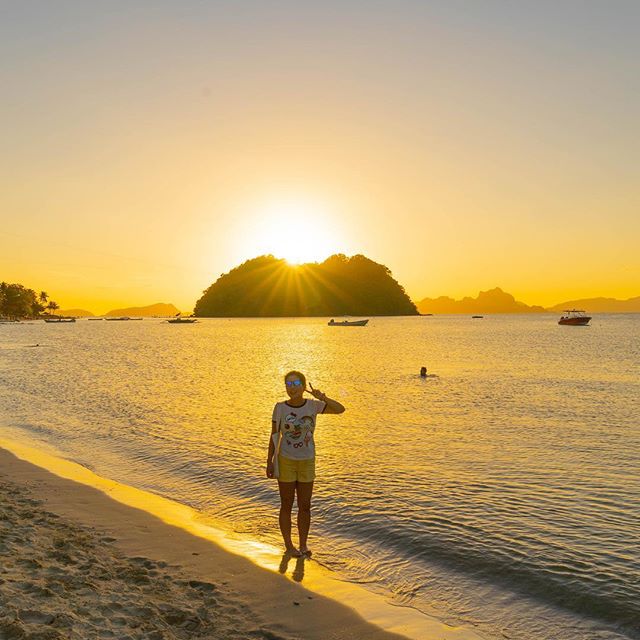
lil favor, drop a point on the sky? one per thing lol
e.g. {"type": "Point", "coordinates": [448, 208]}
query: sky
{"type": "Point", "coordinates": [148, 147]}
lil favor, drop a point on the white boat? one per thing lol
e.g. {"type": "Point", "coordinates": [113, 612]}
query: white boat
{"type": "Point", "coordinates": [348, 323]}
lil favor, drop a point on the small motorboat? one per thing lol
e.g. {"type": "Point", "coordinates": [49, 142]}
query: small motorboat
{"type": "Point", "coordinates": [348, 323]}
{"type": "Point", "coordinates": [59, 319]}
{"type": "Point", "coordinates": [574, 318]}
{"type": "Point", "coordinates": [476, 317]}
{"type": "Point", "coordinates": [179, 320]}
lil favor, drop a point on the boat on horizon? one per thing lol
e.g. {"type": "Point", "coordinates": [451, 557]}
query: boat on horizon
{"type": "Point", "coordinates": [118, 318]}
{"type": "Point", "coordinates": [476, 317]}
{"type": "Point", "coordinates": [59, 319]}
{"type": "Point", "coordinates": [177, 319]}
{"type": "Point", "coordinates": [348, 323]}
{"type": "Point", "coordinates": [574, 318]}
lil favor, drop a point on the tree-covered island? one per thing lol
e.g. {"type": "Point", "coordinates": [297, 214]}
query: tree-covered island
{"type": "Point", "coordinates": [270, 287]}
{"type": "Point", "coordinates": [17, 301]}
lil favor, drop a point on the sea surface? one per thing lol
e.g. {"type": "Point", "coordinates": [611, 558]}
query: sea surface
{"type": "Point", "coordinates": [502, 492]}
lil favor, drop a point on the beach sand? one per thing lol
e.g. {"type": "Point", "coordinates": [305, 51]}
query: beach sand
{"type": "Point", "coordinates": [77, 564]}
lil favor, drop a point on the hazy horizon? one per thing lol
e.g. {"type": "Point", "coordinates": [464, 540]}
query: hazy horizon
{"type": "Point", "coordinates": [473, 295]}
{"type": "Point", "coordinates": [150, 147]}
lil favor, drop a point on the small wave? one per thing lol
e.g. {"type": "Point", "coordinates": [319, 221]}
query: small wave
{"type": "Point", "coordinates": [603, 598]}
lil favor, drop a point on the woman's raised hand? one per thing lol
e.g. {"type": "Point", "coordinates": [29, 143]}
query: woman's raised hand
{"type": "Point", "coordinates": [316, 393]}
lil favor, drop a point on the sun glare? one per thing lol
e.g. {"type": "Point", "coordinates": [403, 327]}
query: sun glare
{"type": "Point", "coordinates": [296, 230]}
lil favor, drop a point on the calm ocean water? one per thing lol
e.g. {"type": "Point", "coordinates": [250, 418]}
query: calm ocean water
{"type": "Point", "coordinates": [503, 493]}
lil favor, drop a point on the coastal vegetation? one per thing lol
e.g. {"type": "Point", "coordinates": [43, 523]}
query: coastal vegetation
{"type": "Point", "coordinates": [270, 287]}
{"type": "Point", "coordinates": [17, 301]}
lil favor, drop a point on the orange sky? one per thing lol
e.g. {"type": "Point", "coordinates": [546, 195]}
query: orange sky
{"type": "Point", "coordinates": [146, 151]}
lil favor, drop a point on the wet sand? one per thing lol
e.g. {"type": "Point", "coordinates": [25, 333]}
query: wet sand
{"type": "Point", "coordinates": [78, 564]}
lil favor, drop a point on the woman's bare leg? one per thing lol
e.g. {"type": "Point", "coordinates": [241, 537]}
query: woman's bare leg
{"type": "Point", "coordinates": [304, 491]}
{"type": "Point", "coordinates": [287, 495]}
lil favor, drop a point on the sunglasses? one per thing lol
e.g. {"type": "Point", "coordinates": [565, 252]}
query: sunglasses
{"type": "Point", "coordinates": [293, 383]}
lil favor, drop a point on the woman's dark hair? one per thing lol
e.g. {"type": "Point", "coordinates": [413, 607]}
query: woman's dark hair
{"type": "Point", "coordinates": [298, 375]}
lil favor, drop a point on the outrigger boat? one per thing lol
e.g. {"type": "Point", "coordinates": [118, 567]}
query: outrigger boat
{"type": "Point", "coordinates": [59, 319]}
{"type": "Point", "coordinates": [574, 317]}
{"type": "Point", "coordinates": [348, 323]}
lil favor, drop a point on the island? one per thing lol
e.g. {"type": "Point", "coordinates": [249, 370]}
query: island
{"type": "Point", "coordinates": [340, 286]}
{"type": "Point", "coordinates": [492, 301]}
{"type": "Point", "coordinates": [159, 309]}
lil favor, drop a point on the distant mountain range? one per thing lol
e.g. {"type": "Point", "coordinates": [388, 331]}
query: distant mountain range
{"type": "Point", "coordinates": [492, 301]}
{"type": "Point", "coordinates": [601, 305]}
{"type": "Point", "coordinates": [498, 301]}
{"type": "Point", "coordinates": [158, 309]}
{"type": "Point", "coordinates": [75, 313]}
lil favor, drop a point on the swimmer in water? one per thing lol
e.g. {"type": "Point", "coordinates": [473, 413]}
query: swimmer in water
{"type": "Point", "coordinates": [423, 372]}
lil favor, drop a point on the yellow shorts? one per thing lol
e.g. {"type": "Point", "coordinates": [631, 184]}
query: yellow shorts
{"type": "Point", "coordinates": [296, 470]}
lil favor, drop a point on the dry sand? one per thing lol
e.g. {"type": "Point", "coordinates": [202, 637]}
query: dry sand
{"type": "Point", "coordinates": [77, 564]}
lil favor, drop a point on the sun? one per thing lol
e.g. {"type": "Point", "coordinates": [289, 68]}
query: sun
{"type": "Point", "coordinates": [297, 230]}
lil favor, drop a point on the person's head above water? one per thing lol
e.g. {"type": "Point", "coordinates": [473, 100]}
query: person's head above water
{"type": "Point", "coordinates": [423, 372]}
{"type": "Point", "coordinates": [295, 383]}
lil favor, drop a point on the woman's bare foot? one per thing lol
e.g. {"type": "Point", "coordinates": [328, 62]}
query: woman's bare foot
{"type": "Point", "coordinates": [306, 552]}
{"type": "Point", "coordinates": [293, 552]}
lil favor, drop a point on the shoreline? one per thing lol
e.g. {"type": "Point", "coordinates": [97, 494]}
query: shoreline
{"type": "Point", "coordinates": [162, 543]}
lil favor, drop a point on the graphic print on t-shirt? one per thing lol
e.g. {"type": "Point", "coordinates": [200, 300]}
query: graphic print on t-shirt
{"type": "Point", "coordinates": [298, 430]}
{"type": "Point", "coordinates": [297, 426]}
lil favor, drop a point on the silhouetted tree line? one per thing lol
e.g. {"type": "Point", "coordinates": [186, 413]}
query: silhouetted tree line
{"type": "Point", "coordinates": [268, 286]}
{"type": "Point", "coordinates": [16, 301]}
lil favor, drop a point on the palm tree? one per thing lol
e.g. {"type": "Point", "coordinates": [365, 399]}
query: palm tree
{"type": "Point", "coordinates": [52, 306]}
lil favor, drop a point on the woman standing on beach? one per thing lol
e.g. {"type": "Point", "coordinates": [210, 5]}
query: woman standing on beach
{"type": "Point", "coordinates": [295, 420]}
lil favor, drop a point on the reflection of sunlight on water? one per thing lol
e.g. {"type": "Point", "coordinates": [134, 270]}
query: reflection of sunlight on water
{"type": "Point", "coordinates": [436, 491]}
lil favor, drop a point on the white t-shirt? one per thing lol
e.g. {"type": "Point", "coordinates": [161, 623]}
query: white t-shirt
{"type": "Point", "coordinates": [297, 425]}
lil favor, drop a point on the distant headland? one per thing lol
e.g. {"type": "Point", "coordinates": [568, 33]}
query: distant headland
{"type": "Point", "coordinates": [492, 301]}
{"type": "Point", "coordinates": [76, 313]}
{"type": "Point", "coordinates": [601, 305]}
{"type": "Point", "coordinates": [270, 287]}
{"type": "Point", "coordinates": [498, 301]}
{"type": "Point", "coordinates": [158, 309]}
